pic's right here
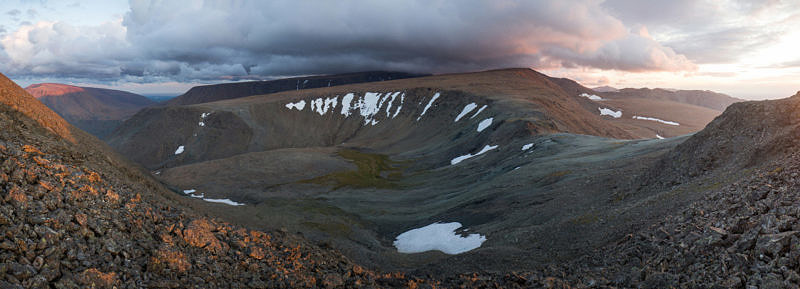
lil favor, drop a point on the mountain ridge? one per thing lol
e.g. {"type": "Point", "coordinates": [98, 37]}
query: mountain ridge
{"type": "Point", "coordinates": [96, 110]}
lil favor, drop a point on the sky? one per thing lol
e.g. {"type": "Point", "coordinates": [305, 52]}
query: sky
{"type": "Point", "coordinates": [746, 49]}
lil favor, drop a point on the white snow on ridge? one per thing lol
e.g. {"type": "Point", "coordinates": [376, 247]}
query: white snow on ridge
{"type": "Point", "coordinates": [467, 109]}
{"type": "Point", "coordinates": [224, 201]}
{"type": "Point", "coordinates": [610, 112]}
{"type": "Point", "coordinates": [179, 150]}
{"type": "Point", "coordinates": [479, 111]}
{"type": "Point", "coordinates": [484, 124]}
{"type": "Point", "coordinates": [437, 236]}
{"type": "Point", "coordinates": [591, 96]}
{"type": "Point", "coordinates": [659, 137]}
{"type": "Point", "coordinates": [346, 100]}
{"type": "Point", "coordinates": [402, 100]}
{"type": "Point", "coordinates": [435, 96]}
{"type": "Point", "coordinates": [527, 146]}
{"type": "Point", "coordinates": [189, 191]}
{"type": "Point", "coordinates": [655, 119]}
{"type": "Point", "coordinates": [459, 159]}
{"type": "Point", "coordinates": [204, 115]}
{"type": "Point", "coordinates": [300, 105]}
{"type": "Point", "coordinates": [389, 105]}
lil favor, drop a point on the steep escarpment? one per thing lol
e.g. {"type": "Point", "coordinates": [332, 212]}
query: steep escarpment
{"type": "Point", "coordinates": [210, 93]}
{"type": "Point", "coordinates": [95, 110]}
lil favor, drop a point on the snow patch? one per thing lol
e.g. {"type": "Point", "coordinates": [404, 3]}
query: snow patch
{"type": "Point", "coordinates": [659, 137]}
{"type": "Point", "coordinates": [484, 124]}
{"type": "Point", "coordinates": [435, 96]}
{"type": "Point", "coordinates": [610, 112]}
{"type": "Point", "coordinates": [346, 100]}
{"type": "Point", "coordinates": [479, 112]}
{"type": "Point", "coordinates": [224, 201]}
{"type": "Point", "coordinates": [437, 236]}
{"type": "Point", "coordinates": [189, 191]}
{"type": "Point", "coordinates": [204, 115]}
{"type": "Point", "coordinates": [527, 146]}
{"type": "Point", "coordinates": [591, 96]}
{"type": "Point", "coordinates": [402, 100]}
{"type": "Point", "coordinates": [467, 109]}
{"type": "Point", "coordinates": [459, 159]}
{"type": "Point", "coordinates": [655, 119]}
{"type": "Point", "coordinates": [300, 105]}
{"type": "Point", "coordinates": [179, 150]}
{"type": "Point", "coordinates": [201, 123]}
{"type": "Point", "coordinates": [321, 106]}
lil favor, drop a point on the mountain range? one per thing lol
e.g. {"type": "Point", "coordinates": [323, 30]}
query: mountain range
{"type": "Point", "coordinates": [525, 180]}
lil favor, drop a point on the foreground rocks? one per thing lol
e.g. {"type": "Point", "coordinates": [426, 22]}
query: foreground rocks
{"type": "Point", "coordinates": [64, 225]}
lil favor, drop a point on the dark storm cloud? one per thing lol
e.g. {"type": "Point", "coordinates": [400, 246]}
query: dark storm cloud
{"type": "Point", "coordinates": [182, 40]}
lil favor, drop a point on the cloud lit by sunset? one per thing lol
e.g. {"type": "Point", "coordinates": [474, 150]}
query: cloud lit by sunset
{"type": "Point", "coordinates": [740, 48]}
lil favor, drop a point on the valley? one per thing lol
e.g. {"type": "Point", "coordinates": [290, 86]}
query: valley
{"type": "Point", "coordinates": [510, 157]}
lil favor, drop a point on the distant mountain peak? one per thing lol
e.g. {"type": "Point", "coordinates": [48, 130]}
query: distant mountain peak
{"type": "Point", "coordinates": [605, 88]}
{"type": "Point", "coordinates": [40, 90]}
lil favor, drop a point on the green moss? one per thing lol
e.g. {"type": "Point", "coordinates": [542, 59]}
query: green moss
{"type": "Point", "coordinates": [373, 171]}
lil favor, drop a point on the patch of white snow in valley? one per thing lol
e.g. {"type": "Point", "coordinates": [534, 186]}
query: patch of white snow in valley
{"type": "Point", "coordinates": [591, 96]}
{"type": "Point", "coordinates": [179, 150]}
{"type": "Point", "coordinates": [655, 119]}
{"type": "Point", "coordinates": [300, 105]}
{"type": "Point", "coordinates": [437, 236]}
{"type": "Point", "coordinates": [459, 159]}
{"type": "Point", "coordinates": [479, 112]}
{"type": "Point", "coordinates": [189, 191]}
{"type": "Point", "coordinates": [527, 146]}
{"type": "Point", "coordinates": [467, 109]}
{"type": "Point", "coordinates": [201, 123]}
{"type": "Point", "coordinates": [435, 96]}
{"type": "Point", "coordinates": [204, 115]}
{"type": "Point", "coordinates": [659, 137]}
{"type": "Point", "coordinates": [224, 201]}
{"type": "Point", "coordinates": [610, 112]}
{"type": "Point", "coordinates": [200, 196]}
{"type": "Point", "coordinates": [484, 124]}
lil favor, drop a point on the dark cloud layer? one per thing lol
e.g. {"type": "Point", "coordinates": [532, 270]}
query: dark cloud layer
{"type": "Point", "coordinates": [208, 40]}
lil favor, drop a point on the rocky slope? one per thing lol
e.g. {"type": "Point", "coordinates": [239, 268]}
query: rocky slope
{"type": "Point", "coordinates": [216, 92]}
{"type": "Point", "coordinates": [95, 110]}
{"type": "Point", "coordinates": [73, 215]}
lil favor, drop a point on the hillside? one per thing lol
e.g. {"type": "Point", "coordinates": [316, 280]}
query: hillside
{"type": "Point", "coordinates": [75, 215]}
{"type": "Point", "coordinates": [95, 110]}
{"type": "Point", "coordinates": [704, 98]}
{"type": "Point", "coordinates": [216, 92]}
{"type": "Point", "coordinates": [508, 154]}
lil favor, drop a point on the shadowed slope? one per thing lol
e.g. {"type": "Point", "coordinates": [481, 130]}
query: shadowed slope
{"type": "Point", "coordinates": [95, 110]}
{"type": "Point", "coordinates": [216, 92]}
